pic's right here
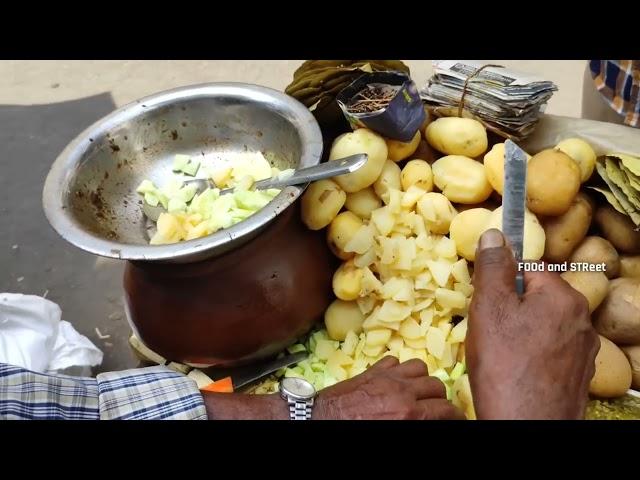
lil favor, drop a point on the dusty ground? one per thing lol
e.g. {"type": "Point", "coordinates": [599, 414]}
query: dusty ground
{"type": "Point", "coordinates": [32, 82]}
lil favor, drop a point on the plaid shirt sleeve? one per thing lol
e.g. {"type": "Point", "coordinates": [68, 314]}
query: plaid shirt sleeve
{"type": "Point", "coordinates": [144, 394]}
{"type": "Point", "coordinates": [619, 83]}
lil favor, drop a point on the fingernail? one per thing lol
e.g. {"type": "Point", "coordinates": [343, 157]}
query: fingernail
{"type": "Point", "coordinates": [491, 239]}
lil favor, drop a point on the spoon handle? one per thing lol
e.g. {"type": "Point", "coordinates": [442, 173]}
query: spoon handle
{"type": "Point", "coordinates": [305, 175]}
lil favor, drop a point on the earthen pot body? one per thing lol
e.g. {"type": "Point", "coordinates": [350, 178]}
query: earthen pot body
{"type": "Point", "coordinates": [247, 304]}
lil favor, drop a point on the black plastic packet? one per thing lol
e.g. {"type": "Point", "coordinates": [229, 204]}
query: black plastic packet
{"type": "Point", "coordinates": [386, 102]}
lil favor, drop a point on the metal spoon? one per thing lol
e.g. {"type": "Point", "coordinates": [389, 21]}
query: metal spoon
{"type": "Point", "coordinates": [304, 175]}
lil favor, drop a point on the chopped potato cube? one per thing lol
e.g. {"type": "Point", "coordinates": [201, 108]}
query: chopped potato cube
{"type": "Point", "coordinates": [411, 196]}
{"type": "Point", "coordinates": [373, 350]}
{"type": "Point", "coordinates": [395, 343]}
{"type": "Point", "coordinates": [460, 271]}
{"type": "Point", "coordinates": [459, 332]}
{"type": "Point", "coordinates": [441, 270]}
{"type": "Point", "coordinates": [361, 241]}
{"type": "Point", "coordinates": [436, 342]}
{"type": "Point", "coordinates": [393, 311]}
{"type": "Point", "coordinates": [384, 220]}
{"type": "Point", "coordinates": [417, 343]}
{"type": "Point", "coordinates": [410, 329]}
{"type": "Point", "coordinates": [378, 337]}
{"type": "Point", "coordinates": [465, 288]}
{"type": "Point", "coordinates": [450, 298]}
{"type": "Point", "coordinates": [324, 348]}
{"type": "Point", "coordinates": [350, 342]}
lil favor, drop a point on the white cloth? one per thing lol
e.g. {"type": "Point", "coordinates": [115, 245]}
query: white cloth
{"type": "Point", "coordinates": [33, 336]}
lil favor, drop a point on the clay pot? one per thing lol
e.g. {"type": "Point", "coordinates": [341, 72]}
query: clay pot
{"type": "Point", "coordinates": [247, 304]}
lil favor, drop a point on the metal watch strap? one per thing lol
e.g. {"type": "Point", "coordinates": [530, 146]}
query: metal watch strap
{"type": "Point", "coordinates": [300, 410]}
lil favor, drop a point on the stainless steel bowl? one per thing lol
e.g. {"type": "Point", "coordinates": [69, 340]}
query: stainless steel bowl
{"type": "Point", "coordinates": [89, 195]}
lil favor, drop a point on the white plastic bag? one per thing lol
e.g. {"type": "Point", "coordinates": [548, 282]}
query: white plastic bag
{"type": "Point", "coordinates": [33, 336]}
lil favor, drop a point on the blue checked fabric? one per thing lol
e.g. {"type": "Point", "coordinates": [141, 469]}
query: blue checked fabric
{"type": "Point", "coordinates": [153, 393]}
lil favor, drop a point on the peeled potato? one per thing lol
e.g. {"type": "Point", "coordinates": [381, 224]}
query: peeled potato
{"type": "Point", "coordinates": [534, 236]}
{"type": "Point", "coordinates": [360, 141]}
{"type": "Point", "coordinates": [598, 250]}
{"type": "Point", "coordinates": [398, 151]}
{"type": "Point", "coordinates": [362, 203]}
{"type": "Point", "coordinates": [613, 375]}
{"type": "Point", "coordinates": [347, 281]}
{"type": "Point", "coordinates": [630, 266]}
{"type": "Point", "coordinates": [461, 179]}
{"type": "Point", "coordinates": [457, 136]}
{"type": "Point", "coordinates": [342, 317]}
{"type": "Point", "coordinates": [321, 203]}
{"type": "Point", "coordinates": [389, 178]}
{"type": "Point", "coordinates": [466, 229]}
{"type": "Point", "coordinates": [565, 232]}
{"type": "Point", "coordinates": [593, 285]}
{"type": "Point", "coordinates": [633, 354]}
{"type": "Point", "coordinates": [581, 153]}
{"type": "Point", "coordinates": [418, 173]}
{"type": "Point", "coordinates": [553, 180]}
{"type": "Point", "coordinates": [437, 212]}
{"type": "Point", "coordinates": [341, 231]}
{"type": "Point", "coordinates": [494, 166]}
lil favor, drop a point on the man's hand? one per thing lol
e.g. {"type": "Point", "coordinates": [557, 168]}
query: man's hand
{"type": "Point", "coordinates": [530, 357]}
{"type": "Point", "coordinates": [388, 390]}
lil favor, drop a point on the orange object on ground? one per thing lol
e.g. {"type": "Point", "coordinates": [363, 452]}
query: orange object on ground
{"type": "Point", "coordinates": [224, 385]}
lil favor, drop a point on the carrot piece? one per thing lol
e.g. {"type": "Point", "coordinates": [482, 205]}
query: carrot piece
{"type": "Point", "coordinates": [224, 385]}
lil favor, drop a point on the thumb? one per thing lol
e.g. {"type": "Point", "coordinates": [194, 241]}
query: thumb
{"type": "Point", "coordinates": [494, 270]}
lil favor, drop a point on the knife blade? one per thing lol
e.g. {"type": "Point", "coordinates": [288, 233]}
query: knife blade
{"type": "Point", "coordinates": [513, 204]}
{"type": "Point", "coordinates": [244, 375]}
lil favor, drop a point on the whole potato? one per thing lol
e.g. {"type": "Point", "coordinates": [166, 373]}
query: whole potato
{"type": "Point", "coordinates": [581, 153]}
{"type": "Point", "coordinates": [398, 151]}
{"type": "Point", "coordinates": [362, 203]}
{"type": "Point", "coordinates": [618, 318]}
{"type": "Point", "coordinates": [553, 180]}
{"type": "Point", "coordinates": [352, 143]}
{"type": "Point", "coordinates": [340, 317]}
{"type": "Point", "coordinates": [465, 231]}
{"type": "Point", "coordinates": [320, 203]}
{"type": "Point", "coordinates": [593, 285]}
{"type": "Point", "coordinates": [534, 236]}
{"type": "Point", "coordinates": [633, 355]}
{"type": "Point", "coordinates": [457, 136]}
{"type": "Point", "coordinates": [389, 178]}
{"type": "Point", "coordinates": [418, 173]}
{"type": "Point", "coordinates": [618, 229]}
{"type": "Point", "coordinates": [347, 281]}
{"type": "Point", "coordinates": [494, 166]}
{"type": "Point", "coordinates": [437, 211]}
{"type": "Point", "coordinates": [340, 231]}
{"type": "Point", "coordinates": [630, 266]}
{"type": "Point", "coordinates": [598, 250]}
{"type": "Point", "coordinates": [565, 232]}
{"type": "Point", "coordinates": [461, 179]}
{"type": "Point", "coordinates": [612, 377]}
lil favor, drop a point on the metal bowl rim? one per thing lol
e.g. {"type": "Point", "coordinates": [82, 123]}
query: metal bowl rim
{"type": "Point", "coordinates": [57, 181]}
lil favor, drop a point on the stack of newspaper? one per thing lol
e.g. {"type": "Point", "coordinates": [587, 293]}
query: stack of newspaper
{"type": "Point", "coordinates": [507, 102]}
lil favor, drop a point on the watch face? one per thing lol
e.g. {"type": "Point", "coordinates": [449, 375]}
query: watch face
{"type": "Point", "coordinates": [298, 387]}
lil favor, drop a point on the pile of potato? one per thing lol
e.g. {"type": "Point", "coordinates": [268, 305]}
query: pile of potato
{"type": "Point", "coordinates": [406, 224]}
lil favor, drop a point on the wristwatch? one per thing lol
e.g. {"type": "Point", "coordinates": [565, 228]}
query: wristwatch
{"type": "Point", "coordinates": [299, 394]}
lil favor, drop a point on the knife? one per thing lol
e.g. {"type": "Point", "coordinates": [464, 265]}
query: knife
{"type": "Point", "coordinates": [244, 375]}
{"type": "Point", "coordinates": [513, 204]}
